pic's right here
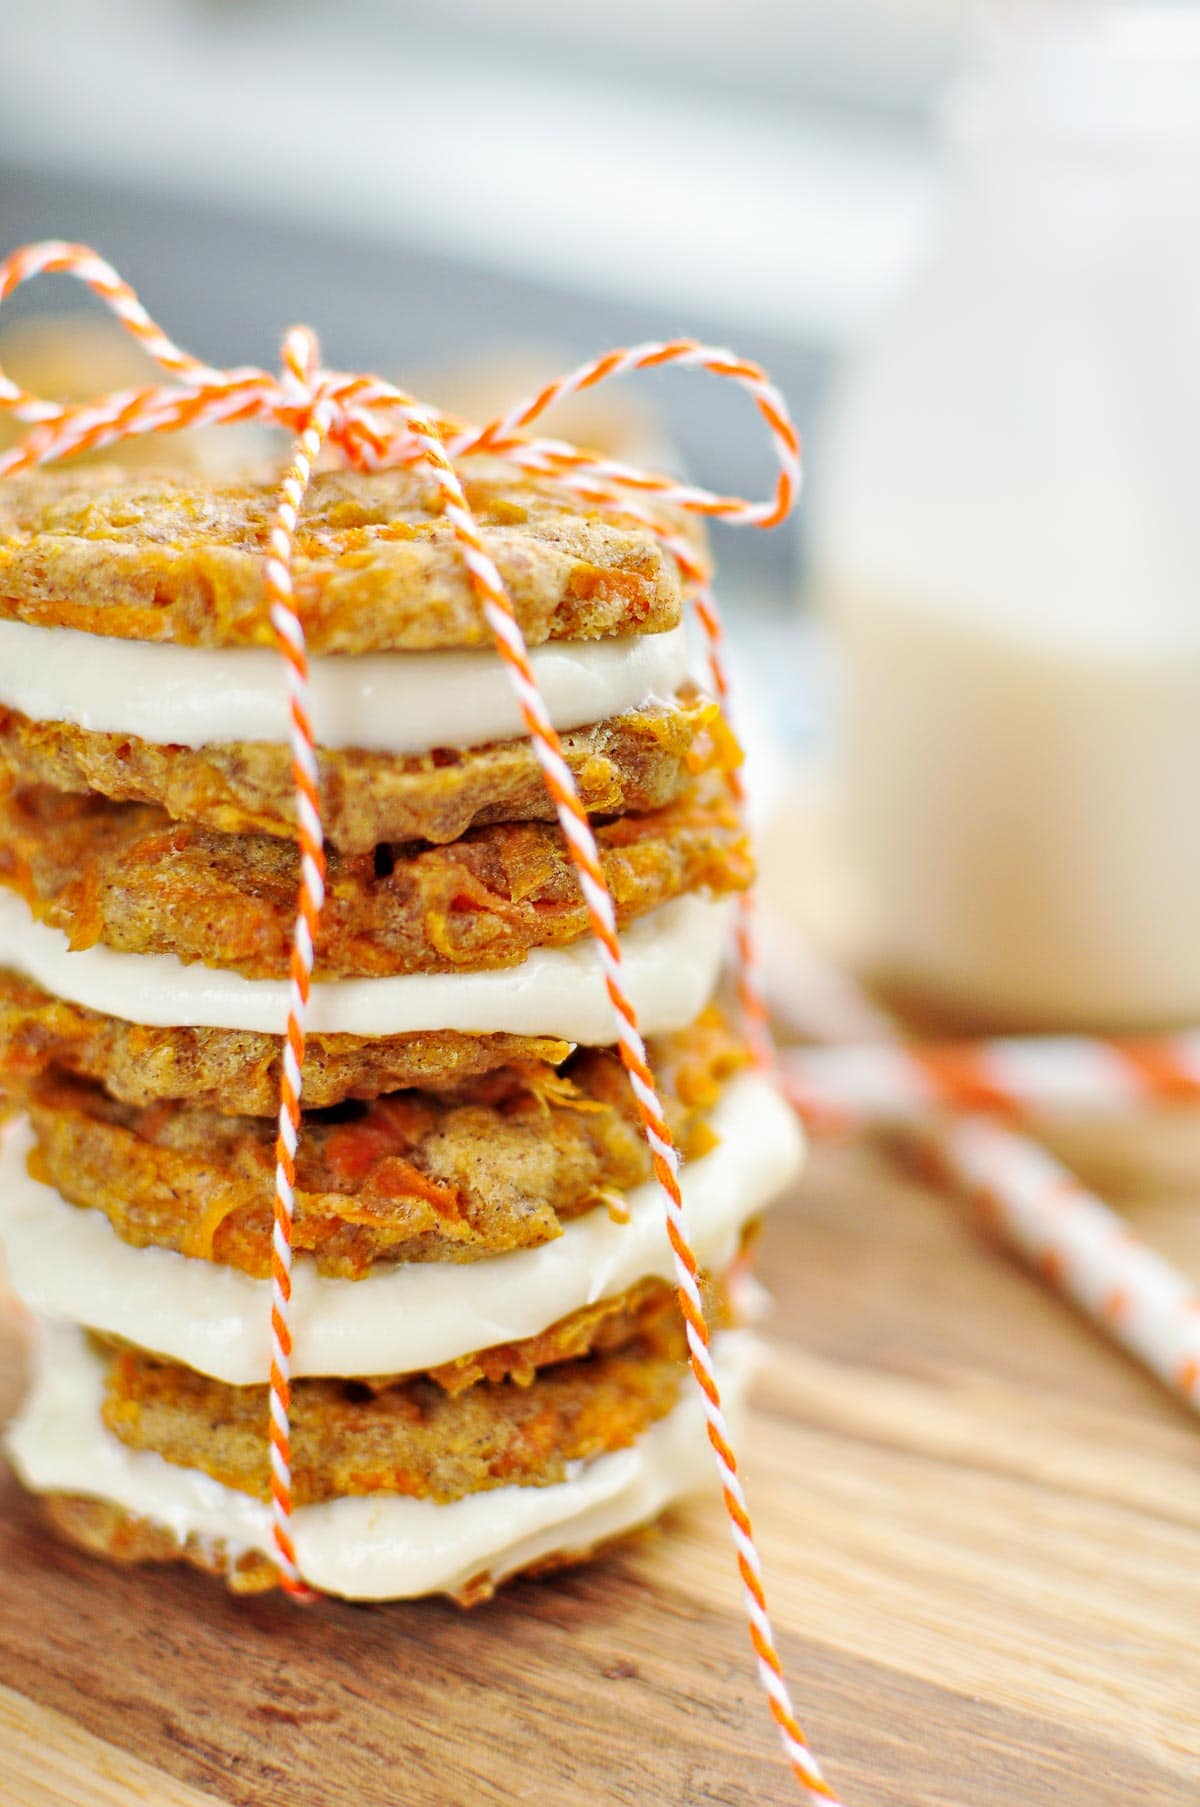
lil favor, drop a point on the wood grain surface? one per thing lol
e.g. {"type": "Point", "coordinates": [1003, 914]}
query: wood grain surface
{"type": "Point", "coordinates": [981, 1526]}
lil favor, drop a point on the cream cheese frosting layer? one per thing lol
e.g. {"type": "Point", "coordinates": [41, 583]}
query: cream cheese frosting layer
{"type": "Point", "coordinates": [672, 961]}
{"type": "Point", "coordinates": [380, 1547]}
{"type": "Point", "coordinates": [399, 702]}
{"type": "Point", "coordinates": [69, 1265]}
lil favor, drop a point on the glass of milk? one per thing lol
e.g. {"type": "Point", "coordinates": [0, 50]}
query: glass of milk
{"type": "Point", "coordinates": [1009, 542]}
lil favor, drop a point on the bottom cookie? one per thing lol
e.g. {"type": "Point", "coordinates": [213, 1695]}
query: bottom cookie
{"type": "Point", "coordinates": [132, 1506]}
{"type": "Point", "coordinates": [105, 1530]}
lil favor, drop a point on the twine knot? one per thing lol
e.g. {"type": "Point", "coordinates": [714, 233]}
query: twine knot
{"type": "Point", "coordinates": [302, 381]}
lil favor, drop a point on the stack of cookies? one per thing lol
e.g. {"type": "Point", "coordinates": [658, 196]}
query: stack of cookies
{"type": "Point", "coordinates": [490, 1364]}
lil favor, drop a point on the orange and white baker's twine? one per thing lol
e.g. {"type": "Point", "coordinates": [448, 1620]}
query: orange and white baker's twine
{"type": "Point", "coordinates": [936, 1100]}
{"type": "Point", "coordinates": [373, 424]}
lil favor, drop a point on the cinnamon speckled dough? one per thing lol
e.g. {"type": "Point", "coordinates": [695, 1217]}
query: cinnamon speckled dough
{"type": "Point", "coordinates": [633, 762]}
{"type": "Point", "coordinates": [498, 1162]}
{"type": "Point", "coordinates": [103, 1528]}
{"type": "Point", "coordinates": [161, 557]}
{"type": "Point", "coordinates": [125, 875]}
{"type": "Point", "coordinates": [233, 1071]}
{"type": "Point", "coordinates": [409, 1435]}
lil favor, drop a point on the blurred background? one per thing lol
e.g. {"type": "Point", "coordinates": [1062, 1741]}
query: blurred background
{"type": "Point", "coordinates": [436, 184]}
{"type": "Point", "coordinates": [962, 237]}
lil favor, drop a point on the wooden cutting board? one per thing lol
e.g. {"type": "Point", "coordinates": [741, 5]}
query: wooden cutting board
{"type": "Point", "coordinates": [981, 1526]}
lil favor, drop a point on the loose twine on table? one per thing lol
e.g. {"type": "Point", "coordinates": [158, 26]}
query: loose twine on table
{"type": "Point", "coordinates": [937, 1103]}
{"type": "Point", "coordinates": [373, 425]}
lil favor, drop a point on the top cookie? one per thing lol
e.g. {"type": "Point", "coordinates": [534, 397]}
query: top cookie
{"type": "Point", "coordinates": [159, 557]}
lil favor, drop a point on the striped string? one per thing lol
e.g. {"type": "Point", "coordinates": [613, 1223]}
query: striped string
{"type": "Point", "coordinates": [373, 424]}
{"type": "Point", "coordinates": [850, 1084]}
{"type": "Point", "coordinates": [300, 360]}
{"type": "Point", "coordinates": [1075, 1241]}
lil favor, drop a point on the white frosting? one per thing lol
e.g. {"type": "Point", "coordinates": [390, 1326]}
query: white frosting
{"type": "Point", "coordinates": [396, 702]}
{"type": "Point", "coordinates": [374, 1548]}
{"type": "Point", "coordinates": [69, 1265]}
{"type": "Point", "coordinates": [672, 961]}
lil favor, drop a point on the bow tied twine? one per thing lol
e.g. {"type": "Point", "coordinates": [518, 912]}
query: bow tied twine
{"type": "Point", "coordinates": [374, 425]}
